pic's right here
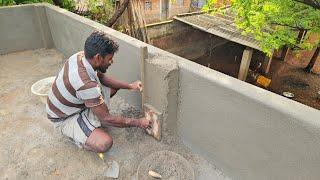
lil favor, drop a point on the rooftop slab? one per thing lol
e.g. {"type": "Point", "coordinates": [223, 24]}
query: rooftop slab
{"type": "Point", "coordinates": [30, 148]}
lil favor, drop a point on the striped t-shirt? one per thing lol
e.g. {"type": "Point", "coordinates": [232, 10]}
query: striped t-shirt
{"type": "Point", "coordinates": [75, 88]}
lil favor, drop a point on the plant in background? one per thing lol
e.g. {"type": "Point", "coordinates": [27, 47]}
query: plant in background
{"type": "Point", "coordinates": [70, 5]}
{"type": "Point", "coordinates": [6, 2]}
{"type": "Point", "coordinates": [276, 23]}
{"type": "Point", "coordinates": [100, 10]}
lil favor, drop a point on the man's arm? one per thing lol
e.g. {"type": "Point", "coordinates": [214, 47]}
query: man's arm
{"type": "Point", "coordinates": [116, 84]}
{"type": "Point", "coordinates": [112, 83]}
{"type": "Point", "coordinates": [106, 119]}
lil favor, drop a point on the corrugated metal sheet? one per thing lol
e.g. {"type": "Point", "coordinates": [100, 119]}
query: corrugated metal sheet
{"type": "Point", "coordinates": [220, 25]}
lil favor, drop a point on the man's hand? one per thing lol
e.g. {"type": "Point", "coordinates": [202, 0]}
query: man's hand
{"type": "Point", "coordinates": [144, 123]}
{"type": "Point", "coordinates": [137, 85]}
{"type": "Point", "coordinates": [106, 119]}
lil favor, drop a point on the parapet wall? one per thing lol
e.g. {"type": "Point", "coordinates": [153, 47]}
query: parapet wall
{"type": "Point", "coordinates": [23, 28]}
{"type": "Point", "coordinates": [46, 26]}
{"type": "Point", "coordinates": [248, 132]}
{"type": "Point", "coordinates": [69, 32]}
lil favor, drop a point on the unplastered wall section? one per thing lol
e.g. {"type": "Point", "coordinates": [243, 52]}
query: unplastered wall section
{"type": "Point", "coordinates": [24, 27]}
{"type": "Point", "coordinates": [69, 32]}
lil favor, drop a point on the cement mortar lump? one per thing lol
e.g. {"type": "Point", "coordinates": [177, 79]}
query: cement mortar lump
{"type": "Point", "coordinates": [164, 62]}
{"type": "Point", "coordinates": [170, 165]}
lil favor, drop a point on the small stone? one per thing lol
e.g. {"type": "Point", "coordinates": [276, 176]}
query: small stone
{"type": "Point", "coordinates": [154, 174]}
{"type": "Point", "coordinates": [113, 170]}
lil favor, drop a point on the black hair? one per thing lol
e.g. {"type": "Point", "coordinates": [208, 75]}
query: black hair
{"type": "Point", "coordinates": [99, 43]}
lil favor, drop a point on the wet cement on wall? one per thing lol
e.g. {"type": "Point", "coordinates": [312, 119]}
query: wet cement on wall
{"type": "Point", "coordinates": [161, 90]}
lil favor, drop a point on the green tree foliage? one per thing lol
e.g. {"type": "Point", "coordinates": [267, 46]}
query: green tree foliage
{"type": "Point", "coordinates": [69, 5]}
{"type": "Point", "coordinates": [100, 10]}
{"type": "Point", "coordinates": [276, 23]}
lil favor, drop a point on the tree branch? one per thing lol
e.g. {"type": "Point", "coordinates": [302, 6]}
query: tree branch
{"type": "Point", "coordinates": [291, 26]}
{"type": "Point", "coordinates": [313, 60]}
{"type": "Point", "coordinates": [118, 13]}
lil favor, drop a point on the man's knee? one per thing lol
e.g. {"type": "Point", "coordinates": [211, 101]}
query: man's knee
{"type": "Point", "coordinates": [99, 141]}
{"type": "Point", "coordinates": [104, 145]}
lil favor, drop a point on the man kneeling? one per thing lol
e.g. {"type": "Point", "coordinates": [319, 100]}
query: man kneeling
{"type": "Point", "coordinates": [79, 97]}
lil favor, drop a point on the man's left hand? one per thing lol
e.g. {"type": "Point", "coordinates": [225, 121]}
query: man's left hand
{"type": "Point", "coordinates": [137, 85]}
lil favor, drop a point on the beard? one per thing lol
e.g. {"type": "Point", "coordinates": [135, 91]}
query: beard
{"type": "Point", "coordinates": [103, 69]}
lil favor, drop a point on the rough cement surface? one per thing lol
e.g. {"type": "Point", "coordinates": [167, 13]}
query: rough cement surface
{"type": "Point", "coordinates": [169, 165]}
{"type": "Point", "coordinates": [30, 149]}
{"type": "Point", "coordinates": [161, 78]}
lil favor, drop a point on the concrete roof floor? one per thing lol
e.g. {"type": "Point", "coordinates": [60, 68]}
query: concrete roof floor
{"type": "Point", "coordinates": [30, 148]}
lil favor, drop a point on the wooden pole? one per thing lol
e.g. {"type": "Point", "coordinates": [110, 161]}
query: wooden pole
{"type": "Point", "coordinates": [245, 63]}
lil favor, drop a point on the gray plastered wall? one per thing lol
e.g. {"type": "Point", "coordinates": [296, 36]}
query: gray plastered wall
{"type": "Point", "coordinates": [23, 28]}
{"type": "Point", "coordinates": [247, 131]}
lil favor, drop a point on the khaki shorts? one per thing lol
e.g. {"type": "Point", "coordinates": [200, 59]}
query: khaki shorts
{"type": "Point", "coordinates": [78, 127]}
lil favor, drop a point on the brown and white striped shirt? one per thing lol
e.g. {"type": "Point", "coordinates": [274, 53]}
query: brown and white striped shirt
{"type": "Point", "coordinates": [75, 88]}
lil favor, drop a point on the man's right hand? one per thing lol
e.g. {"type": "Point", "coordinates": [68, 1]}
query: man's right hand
{"type": "Point", "coordinates": [144, 123]}
{"type": "Point", "coordinates": [107, 119]}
